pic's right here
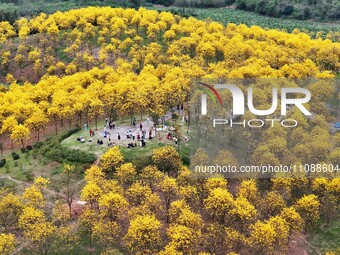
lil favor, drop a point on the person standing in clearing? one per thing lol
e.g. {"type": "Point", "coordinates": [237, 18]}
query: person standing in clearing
{"type": "Point", "coordinates": [118, 136]}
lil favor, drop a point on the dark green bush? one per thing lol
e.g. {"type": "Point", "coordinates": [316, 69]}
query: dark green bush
{"type": "Point", "coordinates": [2, 162]}
{"type": "Point", "coordinates": [69, 133]}
{"type": "Point", "coordinates": [287, 9]}
{"type": "Point", "coordinates": [9, 12]}
{"type": "Point", "coordinates": [185, 159]}
{"type": "Point", "coordinates": [61, 154]}
{"type": "Point", "coordinates": [80, 156]}
{"type": "Point", "coordinates": [162, 2]}
{"type": "Point", "coordinates": [174, 116]}
{"type": "Point", "coordinates": [266, 8]}
{"type": "Point", "coordinates": [249, 5]}
{"type": "Point", "coordinates": [298, 14]}
{"type": "Point", "coordinates": [307, 12]}
{"type": "Point", "coordinates": [23, 150]}
{"type": "Point", "coordinates": [15, 156]}
{"type": "Point", "coordinates": [29, 176]}
{"type": "Point", "coordinates": [29, 147]}
{"type": "Point", "coordinates": [37, 145]}
{"type": "Point", "coordinates": [184, 152]}
{"type": "Point", "coordinates": [141, 162]}
{"type": "Point", "coordinates": [303, 9]}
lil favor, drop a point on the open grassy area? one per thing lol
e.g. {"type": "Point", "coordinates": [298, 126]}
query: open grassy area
{"type": "Point", "coordinates": [28, 165]}
{"type": "Point", "coordinates": [44, 160]}
{"type": "Point", "coordinates": [325, 238]}
{"type": "Point", "coordinates": [138, 155]}
{"type": "Point", "coordinates": [72, 143]}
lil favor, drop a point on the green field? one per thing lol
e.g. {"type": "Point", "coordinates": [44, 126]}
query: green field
{"type": "Point", "coordinates": [227, 15]}
{"type": "Point", "coordinates": [325, 238]}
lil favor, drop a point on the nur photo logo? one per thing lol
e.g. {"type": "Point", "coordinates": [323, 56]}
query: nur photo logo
{"type": "Point", "coordinates": [289, 97]}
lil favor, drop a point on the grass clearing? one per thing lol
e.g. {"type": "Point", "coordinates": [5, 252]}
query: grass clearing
{"type": "Point", "coordinates": [28, 165]}
{"type": "Point", "coordinates": [325, 238]}
{"type": "Point", "coordinates": [91, 147]}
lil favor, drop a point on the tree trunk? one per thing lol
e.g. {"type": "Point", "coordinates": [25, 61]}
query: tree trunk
{"type": "Point", "coordinates": [70, 208]}
{"type": "Point", "coordinates": [167, 204]}
{"type": "Point", "coordinates": [188, 125]}
{"type": "Point", "coordinates": [87, 117]}
{"type": "Point", "coordinates": [80, 118]}
{"type": "Point", "coordinates": [56, 126]}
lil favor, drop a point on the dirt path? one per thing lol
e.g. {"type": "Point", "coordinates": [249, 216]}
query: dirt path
{"type": "Point", "coordinates": [10, 178]}
{"type": "Point", "coordinates": [26, 184]}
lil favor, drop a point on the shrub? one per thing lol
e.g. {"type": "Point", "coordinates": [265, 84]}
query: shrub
{"type": "Point", "coordinates": [162, 2]}
{"type": "Point", "coordinates": [241, 4]}
{"type": "Point", "coordinates": [175, 116]}
{"type": "Point", "coordinates": [60, 154]}
{"type": "Point", "coordinates": [80, 156]}
{"type": "Point", "coordinates": [9, 12]}
{"type": "Point", "coordinates": [185, 159]}
{"type": "Point", "coordinates": [29, 176]}
{"type": "Point", "coordinates": [69, 133]}
{"type": "Point", "coordinates": [141, 162]}
{"type": "Point", "coordinates": [307, 12]}
{"type": "Point", "coordinates": [334, 13]}
{"type": "Point", "coordinates": [29, 147]}
{"type": "Point", "coordinates": [37, 145]}
{"type": "Point", "coordinates": [249, 5]}
{"type": "Point", "coordinates": [266, 8]}
{"type": "Point", "coordinates": [24, 150]}
{"type": "Point", "coordinates": [2, 162]}
{"type": "Point", "coordinates": [15, 156]}
{"type": "Point", "coordinates": [287, 10]}
{"type": "Point", "coordinates": [298, 14]}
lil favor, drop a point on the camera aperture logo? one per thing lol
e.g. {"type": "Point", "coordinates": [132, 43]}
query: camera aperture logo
{"type": "Point", "coordinates": [288, 99]}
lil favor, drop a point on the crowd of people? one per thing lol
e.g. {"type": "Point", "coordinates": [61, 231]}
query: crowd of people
{"type": "Point", "coordinates": [137, 137]}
